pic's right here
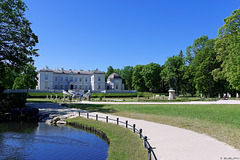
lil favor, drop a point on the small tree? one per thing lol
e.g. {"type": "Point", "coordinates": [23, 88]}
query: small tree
{"type": "Point", "coordinates": [26, 79]}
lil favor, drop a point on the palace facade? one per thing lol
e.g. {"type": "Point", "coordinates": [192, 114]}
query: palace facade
{"type": "Point", "coordinates": [57, 79]}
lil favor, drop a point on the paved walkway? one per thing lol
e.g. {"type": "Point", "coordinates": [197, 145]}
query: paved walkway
{"type": "Point", "coordinates": [192, 102]}
{"type": "Point", "coordinates": [171, 143]}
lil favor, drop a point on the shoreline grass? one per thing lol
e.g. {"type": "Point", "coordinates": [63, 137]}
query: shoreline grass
{"type": "Point", "coordinates": [219, 121]}
{"type": "Point", "coordinates": [124, 144]}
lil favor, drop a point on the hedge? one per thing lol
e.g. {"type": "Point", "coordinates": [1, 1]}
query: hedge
{"type": "Point", "coordinates": [12, 100]}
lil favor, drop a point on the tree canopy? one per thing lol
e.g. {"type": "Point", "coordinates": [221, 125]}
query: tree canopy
{"type": "Point", "coordinates": [227, 47]}
{"type": "Point", "coordinates": [17, 41]}
{"type": "Point", "coordinates": [27, 78]}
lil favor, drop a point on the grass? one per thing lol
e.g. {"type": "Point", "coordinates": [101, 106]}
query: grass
{"type": "Point", "coordinates": [219, 121]}
{"type": "Point", "coordinates": [124, 144]}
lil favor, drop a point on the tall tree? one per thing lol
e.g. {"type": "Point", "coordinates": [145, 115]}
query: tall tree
{"type": "Point", "coordinates": [151, 74]}
{"type": "Point", "coordinates": [202, 65]}
{"type": "Point", "coordinates": [110, 70]}
{"type": "Point", "coordinates": [126, 74]}
{"type": "Point", "coordinates": [27, 78]}
{"type": "Point", "coordinates": [172, 68]}
{"type": "Point", "coordinates": [138, 79]}
{"type": "Point", "coordinates": [17, 40]}
{"type": "Point", "coordinates": [227, 47]}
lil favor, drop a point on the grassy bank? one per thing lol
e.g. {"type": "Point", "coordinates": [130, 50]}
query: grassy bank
{"type": "Point", "coordinates": [124, 144]}
{"type": "Point", "coordinates": [219, 121]}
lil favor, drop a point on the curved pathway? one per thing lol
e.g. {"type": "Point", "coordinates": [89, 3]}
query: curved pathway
{"type": "Point", "coordinates": [172, 143]}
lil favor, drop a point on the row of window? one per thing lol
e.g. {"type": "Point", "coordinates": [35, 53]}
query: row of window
{"type": "Point", "coordinates": [73, 87]}
{"type": "Point", "coordinates": [86, 87]}
{"type": "Point", "coordinates": [71, 79]}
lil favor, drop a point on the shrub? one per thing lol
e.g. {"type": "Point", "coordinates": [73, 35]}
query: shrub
{"type": "Point", "coordinates": [12, 100]}
{"type": "Point", "coordinates": [113, 95]}
{"type": "Point", "coordinates": [44, 95]}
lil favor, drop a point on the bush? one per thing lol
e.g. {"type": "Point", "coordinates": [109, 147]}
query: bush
{"type": "Point", "coordinates": [12, 100]}
{"type": "Point", "coordinates": [44, 95]}
{"type": "Point", "coordinates": [113, 95]}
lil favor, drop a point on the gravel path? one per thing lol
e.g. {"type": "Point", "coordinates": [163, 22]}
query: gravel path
{"type": "Point", "coordinates": [172, 143]}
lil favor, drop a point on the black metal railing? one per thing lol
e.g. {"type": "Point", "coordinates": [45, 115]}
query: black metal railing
{"type": "Point", "coordinates": [147, 145]}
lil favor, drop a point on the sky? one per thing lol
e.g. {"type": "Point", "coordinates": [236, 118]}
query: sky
{"type": "Point", "coordinates": [90, 34]}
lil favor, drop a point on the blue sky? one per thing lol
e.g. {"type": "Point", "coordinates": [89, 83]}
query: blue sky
{"type": "Point", "coordinates": [90, 34]}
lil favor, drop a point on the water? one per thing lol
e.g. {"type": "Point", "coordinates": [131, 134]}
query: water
{"type": "Point", "coordinates": [42, 141]}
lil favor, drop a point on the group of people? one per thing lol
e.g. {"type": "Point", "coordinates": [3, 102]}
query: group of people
{"type": "Point", "coordinates": [227, 96]}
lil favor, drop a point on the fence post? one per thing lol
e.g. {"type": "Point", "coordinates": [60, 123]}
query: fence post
{"type": "Point", "coordinates": [79, 113]}
{"type": "Point", "coordinates": [107, 119]}
{"type": "Point", "coordinates": [134, 126]}
{"type": "Point", "coordinates": [96, 117]}
{"type": "Point", "coordinates": [117, 121]}
{"type": "Point", "coordinates": [140, 133]}
{"type": "Point", "coordinates": [126, 124]}
{"type": "Point", "coordinates": [87, 116]}
{"type": "Point", "coordinates": [145, 141]}
{"type": "Point", "coordinates": [149, 154]}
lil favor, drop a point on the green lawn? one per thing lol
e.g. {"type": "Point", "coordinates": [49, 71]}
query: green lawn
{"type": "Point", "coordinates": [124, 144]}
{"type": "Point", "coordinates": [219, 121]}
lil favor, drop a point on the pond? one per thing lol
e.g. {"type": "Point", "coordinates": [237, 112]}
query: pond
{"type": "Point", "coordinates": [42, 141]}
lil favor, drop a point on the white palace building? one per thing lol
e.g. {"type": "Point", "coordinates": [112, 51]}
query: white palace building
{"type": "Point", "coordinates": [60, 79]}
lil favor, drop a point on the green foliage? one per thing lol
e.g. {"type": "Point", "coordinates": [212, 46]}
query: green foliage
{"type": "Point", "coordinates": [203, 64]}
{"type": "Point", "coordinates": [17, 40]}
{"type": "Point", "coordinates": [173, 68]}
{"type": "Point", "coordinates": [27, 79]}
{"type": "Point", "coordinates": [112, 95]}
{"type": "Point", "coordinates": [12, 100]}
{"type": "Point", "coordinates": [151, 75]}
{"type": "Point", "coordinates": [137, 78]}
{"type": "Point", "coordinates": [126, 74]}
{"type": "Point", "coordinates": [227, 47]}
{"type": "Point", "coordinates": [8, 77]}
{"type": "Point", "coordinates": [44, 95]}
{"type": "Point", "coordinates": [110, 70]}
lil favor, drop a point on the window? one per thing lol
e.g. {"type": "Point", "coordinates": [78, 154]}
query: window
{"type": "Point", "coordinates": [46, 77]}
{"type": "Point", "coordinates": [61, 79]}
{"type": "Point", "coordinates": [66, 86]}
{"type": "Point", "coordinates": [71, 79]}
{"type": "Point", "coordinates": [55, 78]}
{"type": "Point", "coordinates": [46, 85]}
{"type": "Point", "coordinates": [80, 87]}
{"type": "Point", "coordinates": [80, 79]}
{"type": "Point", "coordinates": [89, 87]}
{"type": "Point", "coordinates": [55, 87]}
{"type": "Point", "coordinates": [61, 86]}
{"type": "Point", "coordinates": [75, 87]}
{"type": "Point", "coordinates": [99, 86]}
{"type": "Point", "coordinates": [116, 86]}
{"type": "Point", "coordinates": [66, 78]}
{"type": "Point", "coordinates": [86, 87]}
{"type": "Point", "coordinates": [75, 79]}
{"type": "Point", "coordinates": [85, 79]}
{"type": "Point", "coordinates": [99, 78]}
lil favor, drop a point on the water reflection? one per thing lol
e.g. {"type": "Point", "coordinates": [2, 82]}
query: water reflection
{"type": "Point", "coordinates": [42, 141]}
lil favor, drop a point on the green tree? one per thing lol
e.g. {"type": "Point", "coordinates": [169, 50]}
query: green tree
{"type": "Point", "coordinates": [126, 74]}
{"type": "Point", "coordinates": [137, 78]}
{"type": "Point", "coordinates": [202, 65]}
{"type": "Point", "coordinates": [151, 74]}
{"type": "Point", "coordinates": [9, 76]}
{"type": "Point", "coordinates": [17, 40]}
{"type": "Point", "coordinates": [227, 47]}
{"type": "Point", "coordinates": [172, 68]}
{"type": "Point", "coordinates": [27, 78]}
{"type": "Point", "coordinates": [110, 70]}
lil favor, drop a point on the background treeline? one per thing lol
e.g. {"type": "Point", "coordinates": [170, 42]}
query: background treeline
{"type": "Point", "coordinates": [209, 67]}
